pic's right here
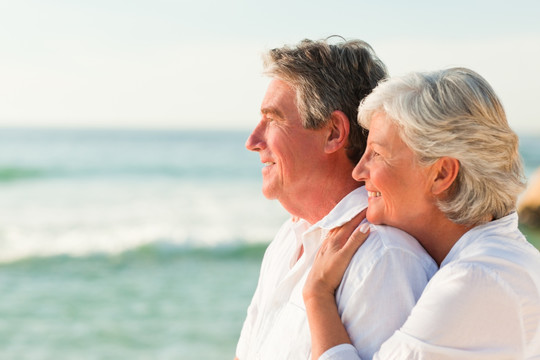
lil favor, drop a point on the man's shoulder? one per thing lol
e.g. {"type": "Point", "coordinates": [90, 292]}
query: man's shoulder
{"type": "Point", "coordinates": [389, 238]}
{"type": "Point", "coordinates": [394, 246]}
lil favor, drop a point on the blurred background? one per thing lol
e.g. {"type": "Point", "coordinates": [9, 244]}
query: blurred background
{"type": "Point", "coordinates": [131, 219]}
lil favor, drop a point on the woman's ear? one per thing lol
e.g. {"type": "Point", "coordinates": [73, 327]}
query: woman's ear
{"type": "Point", "coordinates": [446, 171]}
{"type": "Point", "coordinates": [338, 135]}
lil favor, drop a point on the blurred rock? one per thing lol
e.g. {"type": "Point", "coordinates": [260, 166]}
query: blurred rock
{"type": "Point", "coordinates": [529, 202]}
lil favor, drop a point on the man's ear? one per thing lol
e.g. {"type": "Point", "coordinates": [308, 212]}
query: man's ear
{"type": "Point", "coordinates": [446, 170]}
{"type": "Point", "coordinates": [338, 134]}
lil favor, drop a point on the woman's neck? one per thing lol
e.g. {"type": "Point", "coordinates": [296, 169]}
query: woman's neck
{"type": "Point", "coordinates": [439, 235]}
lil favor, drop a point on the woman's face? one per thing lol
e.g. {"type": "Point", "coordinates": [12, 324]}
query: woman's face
{"type": "Point", "coordinates": [399, 189]}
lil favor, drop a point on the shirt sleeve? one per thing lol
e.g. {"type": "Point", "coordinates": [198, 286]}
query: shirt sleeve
{"type": "Point", "coordinates": [377, 294]}
{"type": "Point", "coordinates": [340, 352]}
{"type": "Point", "coordinates": [466, 312]}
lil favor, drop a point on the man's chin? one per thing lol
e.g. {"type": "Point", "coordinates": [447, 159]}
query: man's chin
{"type": "Point", "coordinates": [269, 193]}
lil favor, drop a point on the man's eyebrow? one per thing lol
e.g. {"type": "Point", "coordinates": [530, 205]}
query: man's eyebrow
{"type": "Point", "coordinates": [272, 111]}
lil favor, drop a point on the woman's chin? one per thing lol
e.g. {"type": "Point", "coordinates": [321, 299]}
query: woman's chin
{"type": "Point", "coordinates": [374, 217]}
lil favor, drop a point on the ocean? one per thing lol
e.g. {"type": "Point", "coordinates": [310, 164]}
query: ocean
{"type": "Point", "coordinates": [133, 244]}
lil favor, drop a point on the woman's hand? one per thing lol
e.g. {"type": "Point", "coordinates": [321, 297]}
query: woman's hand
{"type": "Point", "coordinates": [333, 258]}
{"type": "Point", "coordinates": [330, 264]}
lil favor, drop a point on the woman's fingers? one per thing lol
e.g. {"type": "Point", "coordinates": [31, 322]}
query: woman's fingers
{"type": "Point", "coordinates": [337, 237]}
{"type": "Point", "coordinates": [357, 238]}
{"type": "Point", "coordinates": [337, 251]}
{"type": "Point", "coordinates": [334, 256]}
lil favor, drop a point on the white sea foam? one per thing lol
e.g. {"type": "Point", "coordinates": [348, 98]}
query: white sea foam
{"type": "Point", "coordinates": [110, 216]}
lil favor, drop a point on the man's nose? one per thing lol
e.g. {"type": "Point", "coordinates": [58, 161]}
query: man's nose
{"type": "Point", "coordinates": [255, 141]}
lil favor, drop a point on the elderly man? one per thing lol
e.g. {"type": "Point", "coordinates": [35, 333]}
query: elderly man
{"type": "Point", "coordinates": [309, 142]}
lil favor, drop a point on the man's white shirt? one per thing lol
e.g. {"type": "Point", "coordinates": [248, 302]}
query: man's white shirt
{"type": "Point", "coordinates": [380, 287]}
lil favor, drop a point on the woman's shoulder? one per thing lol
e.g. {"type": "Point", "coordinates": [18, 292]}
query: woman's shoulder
{"type": "Point", "coordinates": [491, 264]}
{"type": "Point", "coordinates": [504, 256]}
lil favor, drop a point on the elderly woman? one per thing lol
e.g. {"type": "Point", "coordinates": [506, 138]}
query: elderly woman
{"type": "Point", "coordinates": [441, 164]}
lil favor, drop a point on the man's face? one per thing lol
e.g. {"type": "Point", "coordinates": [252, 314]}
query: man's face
{"type": "Point", "coordinates": [290, 153]}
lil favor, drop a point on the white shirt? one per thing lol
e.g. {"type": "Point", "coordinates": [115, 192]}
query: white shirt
{"type": "Point", "coordinates": [483, 303]}
{"type": "Point", "coordinates": [381, 285]}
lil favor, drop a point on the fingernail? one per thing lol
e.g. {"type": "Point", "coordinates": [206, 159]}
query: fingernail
{"type": "Point", "coordinates": [364, 228]}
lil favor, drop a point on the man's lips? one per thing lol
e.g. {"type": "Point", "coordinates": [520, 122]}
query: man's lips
{"type": "Point", "coordinates": [267, 165]}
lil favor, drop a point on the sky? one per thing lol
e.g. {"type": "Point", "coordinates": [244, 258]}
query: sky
{"type": "Point", "coordinates": [197, 64]}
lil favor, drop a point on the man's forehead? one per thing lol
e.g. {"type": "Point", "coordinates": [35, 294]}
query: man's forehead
{"type": "Point", "coordinates": [279, 100]}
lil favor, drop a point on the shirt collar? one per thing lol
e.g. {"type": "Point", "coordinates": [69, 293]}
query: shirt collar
{"type": "Point", "coordinates": [344, 211]}
{"type": "Point", "coordinates": [505, 226]}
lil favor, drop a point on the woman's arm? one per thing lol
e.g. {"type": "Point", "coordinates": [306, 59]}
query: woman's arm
{"type": "Point", "coordinates": [325, 276]}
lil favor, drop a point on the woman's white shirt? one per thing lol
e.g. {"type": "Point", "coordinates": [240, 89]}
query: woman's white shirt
{"type": "Point", "coordinates": [483, 303]}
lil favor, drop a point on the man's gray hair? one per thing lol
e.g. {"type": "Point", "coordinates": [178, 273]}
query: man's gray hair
{"type": "Point", "coordinates": [456, 113]}
{"type": "Point", "coordinates": [329, 77]}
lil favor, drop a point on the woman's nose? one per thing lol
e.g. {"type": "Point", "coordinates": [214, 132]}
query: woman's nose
{"type": "Point", "coordinates": [360, 171]}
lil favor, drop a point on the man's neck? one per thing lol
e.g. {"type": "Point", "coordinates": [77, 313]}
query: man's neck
{"type": "Point", "coordinates": [320, 202]}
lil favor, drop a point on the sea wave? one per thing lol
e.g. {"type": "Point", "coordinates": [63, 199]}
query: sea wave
{"type": "Point", "coordinates": [159, 252]}
{"type": "Point", "coordinates": [112, 216]}
{"type": "Point", "coordinates": [11, 174]}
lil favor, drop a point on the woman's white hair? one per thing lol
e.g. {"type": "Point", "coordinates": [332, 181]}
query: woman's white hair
{"type": "Point", "coordinates": [456, 113]}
